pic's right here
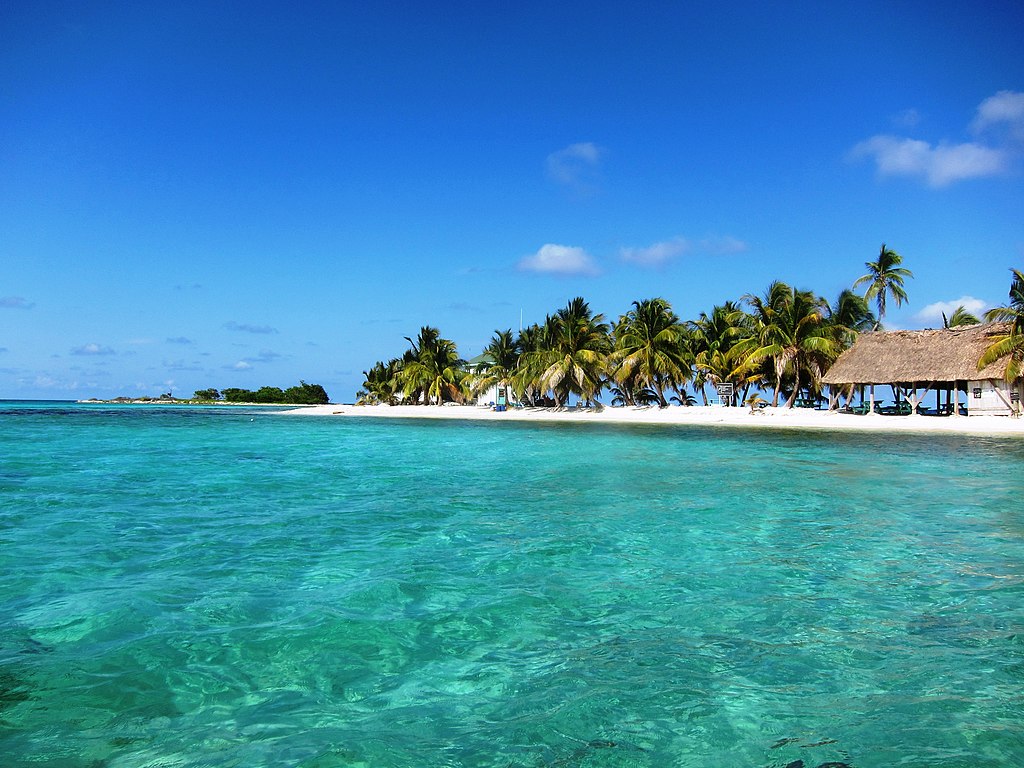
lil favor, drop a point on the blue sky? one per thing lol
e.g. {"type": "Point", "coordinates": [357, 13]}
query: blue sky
{"type": "Point", "coordinates": [246, 194]}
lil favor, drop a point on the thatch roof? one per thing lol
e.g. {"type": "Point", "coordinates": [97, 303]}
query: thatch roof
{"type": "Point", "coordinates": [906, 357]}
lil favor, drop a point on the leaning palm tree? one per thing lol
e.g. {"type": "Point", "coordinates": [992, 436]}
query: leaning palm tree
{"type": "Point", "coordinates": [959, 318]}
{"type": "Point", "coordinates": [650, 349]}
{"type": "Point", "coordinates": [884, 278]}
{"type": "Point", "coordinates": [1010, 344]}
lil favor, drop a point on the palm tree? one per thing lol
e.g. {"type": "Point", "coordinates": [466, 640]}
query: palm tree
{"type": "Point", "coordinates": [849, 316]}
{"type": "Point", "coordinates": [433, 369]}
{"type": "Point", "coordinates": [503, 354]}
{"type": "Point", "coordinates": [792, 334]}
{"type": "Point", "coordinates": [1011, 343]}
{"type": "Point", "coordinates": [884, 278]}
{"type": "Point", "coordinates": [650, 349]}
{"type": "Point", "coordinates": [572, 357]}
{"type": "Point", "coordinates": [380, 383]}
{"type": "Point", "coordinates": [711, 339]}
{"type": "Point", "coordinates": [959, 317]}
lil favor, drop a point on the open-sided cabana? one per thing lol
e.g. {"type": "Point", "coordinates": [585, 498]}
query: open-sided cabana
{"type": "Point", "coordinates": [942, 360]}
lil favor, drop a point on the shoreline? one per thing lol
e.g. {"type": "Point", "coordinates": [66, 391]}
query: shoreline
{"type": "Point", "coordinates": [695, 415]}
{"type": "Point", "coordinates": [190, 403]}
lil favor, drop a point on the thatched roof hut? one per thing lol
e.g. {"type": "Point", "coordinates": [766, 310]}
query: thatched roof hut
{"type": "Point", "coordinates": [918, 357]}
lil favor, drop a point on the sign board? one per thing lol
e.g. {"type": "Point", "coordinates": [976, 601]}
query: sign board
{"type": "Point", "coordinates": [1015, 396]}
{"type": "Point", "coordinates": [725, 391]}
{"type": "Point", "coordinates": [976, 392]}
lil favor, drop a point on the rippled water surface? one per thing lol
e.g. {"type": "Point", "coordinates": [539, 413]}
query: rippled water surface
{"type": "Point", "coordinates": [188, 587]}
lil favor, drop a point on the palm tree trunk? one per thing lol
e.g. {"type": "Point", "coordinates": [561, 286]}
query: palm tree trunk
{"type": "Point", "coordinates": [796, 387]}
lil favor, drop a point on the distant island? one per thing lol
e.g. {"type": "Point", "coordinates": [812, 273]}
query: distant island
{"type": "Point", "coordinates": [303, 394]}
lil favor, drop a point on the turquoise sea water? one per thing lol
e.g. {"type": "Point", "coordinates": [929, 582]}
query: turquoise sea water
{"type": "Point", "coordinates": [186, 587]}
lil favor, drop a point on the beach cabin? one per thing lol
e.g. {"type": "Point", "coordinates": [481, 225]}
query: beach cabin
{"type": "Point", "coordinates": [500, 396]}
{"type": "Point", "coordinates": [917, 362]}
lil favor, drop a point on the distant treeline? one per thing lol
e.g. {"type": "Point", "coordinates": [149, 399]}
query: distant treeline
{"type": "Point", "coordinates": [303, 394]}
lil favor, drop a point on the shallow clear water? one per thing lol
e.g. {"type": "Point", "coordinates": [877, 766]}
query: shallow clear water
{"type": "Point", "coordinates": [183, 587]}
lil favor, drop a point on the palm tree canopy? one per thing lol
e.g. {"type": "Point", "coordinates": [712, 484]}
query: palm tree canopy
{"type": "Point", "coordinates": [959, 318]}
{"type": "Point", "coordinates": [1011, 344]}
{"type": "Point", "coordinates": [432, 368]}
{"type": "Point", "coordinates": [650, 348]}
{"type": "Point", "coordinates": [503, 353]}
{"type": "Point", "coordinates": [571, 354]}
{"type": "Point", "coordinates": [884, 278]}
{"type": "Point", "coordinates": [792, 333]}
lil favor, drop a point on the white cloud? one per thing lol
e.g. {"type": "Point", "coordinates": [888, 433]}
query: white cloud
{"type": "Point", "coordinates": [241, 365]}
{"type": "Point", "coordinates": [656, 254]}
{"type": "Point", "coordinates": [1005, 109]}
{"type": "Point", "coordinates": [723, 246]}
{"type": "Point", "coordinates": [939, 165]}
{"type": "Point", "coordinates": [998, 126]}
{"type": "Point", "coordinates": [934, 312]}
{"type": "Point", "coordinates": [662, 252]}
{"type": "Point", "coordinates": [559, 259]}
{"type": "Point", "coordinates": [576, 166]}
{"type": "Point", "coordinates": [92, 349]}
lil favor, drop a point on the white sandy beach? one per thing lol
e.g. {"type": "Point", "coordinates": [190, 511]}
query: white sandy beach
{"type": "Point", "coordinates": [769, 418]}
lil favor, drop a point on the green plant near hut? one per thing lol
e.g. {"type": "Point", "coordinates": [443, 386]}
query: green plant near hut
{"type": "Point", "coordinates": [1010, 344]}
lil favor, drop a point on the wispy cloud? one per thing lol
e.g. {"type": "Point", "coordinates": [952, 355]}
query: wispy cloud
{"type": "Point", "coordinates": [933, 312]}
{"type": "Point", "coordinates": [722, 245]}
{"type": "Point", "coordinates": [939, 165]}
{"type": "Point", "coordinates": [93, 350]}
{"type": "Point", "coordinates": [657, 254]}
{"type": "Point", "coordinates": [464, 306]}
{"type": "Point", "coordinates": [241, 365]}
{"type": "Point", "coordinates": [180, 340]}
{"type": "Point", "coordinates": [559, 259]}
{"type": "Point", "coordinates": [663, 252]}
{"type": "Point", "coordinates": [231, 325]}
{"type": "Point", "coordinates": [998, 127]}
{"type": "Point", "coordinates": [1005, 110]}
{"type": "Point", "coordinates": [576, 167]}
{"type": "Point", "coordinates": [182, 365]}
{"type": "Point", "coordinates": [15, 302]}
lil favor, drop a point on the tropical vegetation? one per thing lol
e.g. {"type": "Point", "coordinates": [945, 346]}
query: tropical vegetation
{"type": "Point", "coordinates": [884, 278]}
{"type": "Point", "coordinates": [303, 394]}
{"type": "Point", "coordinates": [779, 343]}
{"type": "Point", "coordinates": [1010, 344]}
